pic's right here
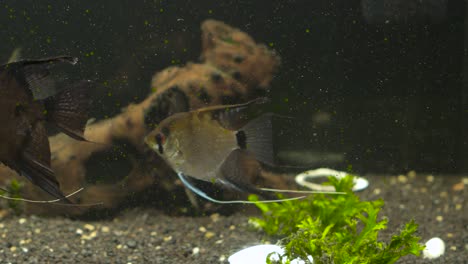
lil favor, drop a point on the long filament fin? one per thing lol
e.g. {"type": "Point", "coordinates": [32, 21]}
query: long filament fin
{"type": "Point", "coordinates": [49, 201]}
{"type": "Point", "coordinates": [202, 194]}
{"type": "Point", "coordinates": [299, 191]}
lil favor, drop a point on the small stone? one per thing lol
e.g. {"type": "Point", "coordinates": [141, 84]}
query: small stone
{"type": "Point", "coordinates": [89, 227]}
{"type": "Point", "coordinates": [13, 249]}
{"type": "Point", "coordinates": [458, 207]}
{"type": "Point", "coordinates": [443, 194]}
{"type": "Point", "coordinates": [105, 229]}
{"type": "Point", "coordinates": [167, 238]}
{"type": "Point", "coordinates": [453, 248]}
{"type": "Point", "coordinates": [214, 217]}
{"type": "Point", "coordinates": [449, 235]}
{"type": "Point", "coordinates": [402, 179]}
{"type": "Point", "coordinates": [131, 244]}
{"type": "Point", "coordinates": [209, 235]}
{"type": "Point", "coordinates": [222, 258]}
{"type": "Point", "coordinates": [412, 174]}
{"type": "Point", "coordinates": [202, 229]}
{"type": "Point", "coordinates": [154, 233]}
{"type": "Point", "coordinates": [430, 178]}
{"type": "Point", "coordinates": [22, 221]}
{"type": "Point", "coordinates": [458, 186]}
{"type": "Point", "coordinates": [119, 246]}
{"type": "Point", "coordinates": [37, 231]}
{"type": "Point", "coordinates": [79, 231]}
{"type": "Point", "coordinates": [219, 241]}
{"type": "Point", "coordinates": [90, 236]}
{"type": "Point", "coordinates": [377, 191]}
{"type": "Point", "coordinates": [25, 250]}
{"type": "Point", "coordinates": [195, 251]}
{"type": "Point", "coordinates": [439, 218]}
{"type": "Point", "coordinates": [232, 227]}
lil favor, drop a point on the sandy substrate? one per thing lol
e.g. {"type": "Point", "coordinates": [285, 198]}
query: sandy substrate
{"type": "Point", "coordinates": [147, 235]}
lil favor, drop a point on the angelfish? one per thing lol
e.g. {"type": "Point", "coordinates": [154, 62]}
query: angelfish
{"type": "Point", "coordinates": [220, 144]}
{"type": "Point", "coordinates": [28, 99]}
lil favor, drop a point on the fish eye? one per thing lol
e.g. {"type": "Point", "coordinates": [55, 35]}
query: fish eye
{"type": "Point", "coordinates": [160, 138]}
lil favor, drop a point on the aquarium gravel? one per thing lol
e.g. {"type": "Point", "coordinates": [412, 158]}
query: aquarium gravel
{"type": "Point", "coordinates": [147, 235]}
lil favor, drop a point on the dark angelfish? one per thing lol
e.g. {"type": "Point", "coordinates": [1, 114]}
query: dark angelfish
{"type": "Point", "coordinates": [220, 144]}
{"type": "Point", "coordinates": [28, 99]}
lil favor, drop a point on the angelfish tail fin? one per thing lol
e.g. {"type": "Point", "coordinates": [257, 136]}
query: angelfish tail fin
{"type": "Point", "coordinates": [257, 138]}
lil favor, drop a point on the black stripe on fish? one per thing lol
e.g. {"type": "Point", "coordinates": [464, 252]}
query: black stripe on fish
{"type": "Point", "coordinates": [241, 139]}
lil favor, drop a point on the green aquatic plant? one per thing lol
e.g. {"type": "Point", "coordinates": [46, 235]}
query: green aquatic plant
{"type": "Point", "coordinates": [335, 228]}
{"type": "Point", "coordinates": [13, 190]}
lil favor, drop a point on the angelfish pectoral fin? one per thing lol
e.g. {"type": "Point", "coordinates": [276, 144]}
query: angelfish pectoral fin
{"type": "Point", "coordinates": [202, 194]}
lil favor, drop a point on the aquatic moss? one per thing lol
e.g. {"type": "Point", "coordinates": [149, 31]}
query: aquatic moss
{"type": "Point", "coordinates": [335, 228]}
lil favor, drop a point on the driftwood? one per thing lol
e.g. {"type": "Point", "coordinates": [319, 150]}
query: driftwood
{"type": "Point", "coordinates": [116, 165]}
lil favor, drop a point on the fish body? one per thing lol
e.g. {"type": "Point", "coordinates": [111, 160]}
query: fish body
{"type": "Point", "coordinates": [197, 144]}
{"type": "Point", "coordinates": [221, 144]}
{"type": "Point", "coordinates": [24, 110]}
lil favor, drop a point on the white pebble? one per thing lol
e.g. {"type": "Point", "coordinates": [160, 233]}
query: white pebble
{"type": "Point", "coordinates": [435, 248]}
{"type": "Point", "coordinates": [195, 251]}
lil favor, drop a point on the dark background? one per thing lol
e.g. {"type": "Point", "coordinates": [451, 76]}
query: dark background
{"type": "Point", "coordinates": [381, 83]}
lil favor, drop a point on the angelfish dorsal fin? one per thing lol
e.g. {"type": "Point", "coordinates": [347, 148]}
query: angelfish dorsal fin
{"type": "Point", "coordinates": [36, 76]}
